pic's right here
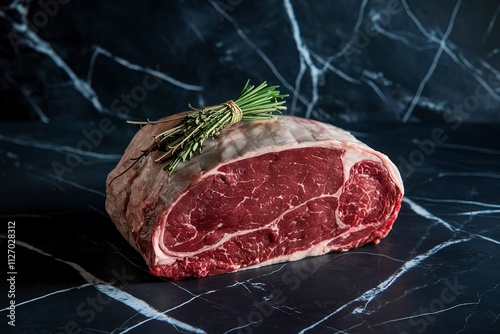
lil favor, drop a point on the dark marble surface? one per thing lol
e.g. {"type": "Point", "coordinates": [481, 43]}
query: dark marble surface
{"type": "Point", "coordinates": [436, 272]}
{"type": "Point", "coordinates": [356, 60]}
{"type": "Point", "coordinates": [418, 80]}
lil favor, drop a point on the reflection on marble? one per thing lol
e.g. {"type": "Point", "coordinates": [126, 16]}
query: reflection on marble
{"type": "Point", "coordinates": [397, 60]}
{"type": "Point", "coordinates": [437, 271]}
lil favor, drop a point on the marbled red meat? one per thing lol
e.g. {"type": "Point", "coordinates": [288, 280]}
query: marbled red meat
{"type": "Point", "coordinates": [260, 193]}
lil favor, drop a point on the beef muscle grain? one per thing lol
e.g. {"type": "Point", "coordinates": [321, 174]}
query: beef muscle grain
{"type": "Point", "coordinates": [261, 192]}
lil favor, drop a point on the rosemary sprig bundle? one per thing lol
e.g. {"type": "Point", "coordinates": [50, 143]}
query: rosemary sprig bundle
{"type": "Point", "coordinates": [186, 140]}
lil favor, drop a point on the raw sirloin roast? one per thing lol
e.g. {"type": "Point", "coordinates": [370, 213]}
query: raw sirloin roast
{"type": "Point", "coordinates": [261, 192]}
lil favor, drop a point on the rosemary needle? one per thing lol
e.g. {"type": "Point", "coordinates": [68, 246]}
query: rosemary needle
{"type": "Point", "coordinates": [186, 140]}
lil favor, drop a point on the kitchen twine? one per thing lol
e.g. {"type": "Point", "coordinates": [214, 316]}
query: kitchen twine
{"type": "Point", "coordinates": [237, 113]}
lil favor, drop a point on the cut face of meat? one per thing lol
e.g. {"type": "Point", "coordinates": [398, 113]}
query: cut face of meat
{"type": "Point", "coordinates": [252, 194]}
{"type": "Point", "coordinates": [300, 188]}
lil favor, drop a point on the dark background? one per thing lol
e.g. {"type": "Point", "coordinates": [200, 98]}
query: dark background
{"type": "Point", "coordinates": [342, 61]}
{"type": "Point", "coordinates": [416, 80]}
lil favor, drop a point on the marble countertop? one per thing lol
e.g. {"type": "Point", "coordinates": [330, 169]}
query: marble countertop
{"type": "Point", "coordinates": [395, 60]}
{"type": "Point", "coordinates": [437, 271]}
{"type": "Point", "coordinates": [386, 70]}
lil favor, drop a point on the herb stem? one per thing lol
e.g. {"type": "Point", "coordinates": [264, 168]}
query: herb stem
{"type": "Point", "coordinates": [186, 140]}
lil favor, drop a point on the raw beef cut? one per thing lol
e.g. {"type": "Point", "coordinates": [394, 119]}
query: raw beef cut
{"type": "Point", "coordinates": [261, 192]}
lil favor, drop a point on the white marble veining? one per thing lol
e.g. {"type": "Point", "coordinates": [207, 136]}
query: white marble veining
{"type": "Point", "coordinates": [59, 148]}
{"type": "Point", "coordinates": [437, 56]}
{"type": "Point", "coordinates": [371, 294]}
{"type": "Point", "coordinates": [117, 294]}
{"type": "Point", "coordinates": [366, 303]}
{"type": "Point", "coordinates": [451, 200]}
{"type": "Point", "coordinates": [313, 64]}
{"type": "Point", "coordinates": [27, 36]}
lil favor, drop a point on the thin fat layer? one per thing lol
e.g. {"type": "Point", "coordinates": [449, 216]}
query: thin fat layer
{"type": "Point", "coordinates": [136, 202]}
{"type": "Point", "coordinates": [353, 154]}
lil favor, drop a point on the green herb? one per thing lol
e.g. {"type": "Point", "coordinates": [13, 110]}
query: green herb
{"type": "Point", "coordinates": [186, 140]}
